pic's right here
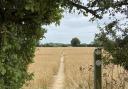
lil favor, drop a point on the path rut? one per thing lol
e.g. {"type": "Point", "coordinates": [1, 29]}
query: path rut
{"type": "Point", "coordinates": [59, 78]}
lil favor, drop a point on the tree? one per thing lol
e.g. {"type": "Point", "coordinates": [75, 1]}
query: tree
{"type": "Point", "coordinates": [75, 42]}
{"type": "Point", "coordinates": [20, 30]}
{"type": "Point", "coordinates": [96, 43]}
{"type": "Point", "coordinates": [21, 24]}
{"type": "Point", "coordinates": [114, 34]}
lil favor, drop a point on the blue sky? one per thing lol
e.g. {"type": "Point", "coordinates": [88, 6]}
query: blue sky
{"type": "Point", "coordinates": [72, 25]}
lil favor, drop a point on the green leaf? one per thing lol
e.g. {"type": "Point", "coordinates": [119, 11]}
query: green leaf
{"type": "Point", "coordinates": [3, 71]}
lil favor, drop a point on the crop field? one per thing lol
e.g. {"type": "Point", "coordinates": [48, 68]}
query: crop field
{"type": "Point", "coordinates": [71, 68]}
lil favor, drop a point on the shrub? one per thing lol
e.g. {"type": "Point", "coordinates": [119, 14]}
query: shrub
{"type": "Point", "coordinates": [20, 29]}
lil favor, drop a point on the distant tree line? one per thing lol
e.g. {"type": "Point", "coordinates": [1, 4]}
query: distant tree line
{"type": "Point", "coordinates": [66, 45]}
{"type": "Point", "coordinates": [75, 42]}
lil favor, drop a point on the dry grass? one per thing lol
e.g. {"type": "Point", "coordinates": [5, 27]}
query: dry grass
{"type": "Point", "coordinates": [78, 69]}
{"type": "Point", "coordinates": [45, 67]}
{"type": "Point", "coordinates": [114, 77]}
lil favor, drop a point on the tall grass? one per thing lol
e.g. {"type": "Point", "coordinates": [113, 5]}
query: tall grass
{"type": "Point", "coordinates": [79, 70]}
{"type": "Point", "coordinates": [114, 77]}
{"type": "Point", "coordinates": [45, 67]}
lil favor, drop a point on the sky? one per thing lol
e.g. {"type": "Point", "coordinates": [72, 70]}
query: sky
{"type": "Point", "coordinates": [71, 25]}
{"type": "Point", "coordinates": [74, 25]}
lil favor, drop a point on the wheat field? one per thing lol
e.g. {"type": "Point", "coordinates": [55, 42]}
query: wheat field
{"type": "Point", "coordinates": [45, 66]}
{"type": "Point", "coordinates": [78, 69]}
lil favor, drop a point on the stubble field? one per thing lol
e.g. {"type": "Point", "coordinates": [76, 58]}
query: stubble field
{"type": "Point", "coordinates": [78, 69]}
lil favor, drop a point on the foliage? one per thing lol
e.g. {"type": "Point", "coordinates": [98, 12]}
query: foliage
{"type": "Point", "coordinates": [96, 43]}
{"type": "Point", "coordinates": [67, 45]}
{"type": "Point", "coordinates": [20, 30]}
{"type": "Point", "coordinates": [54, 45]}
{"type": "Point", "coordinates": [98, 8]}
{"type": "Point", "coordinates": [83, 45]}
{"type": "Point", "coordinates": [116, 45]}
{"type": "Point", "coordinates": [75, 42]}
{"type": "Point", "coordinates": [113, 36]}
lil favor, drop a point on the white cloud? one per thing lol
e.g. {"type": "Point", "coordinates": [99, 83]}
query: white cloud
{"type": "Point", "coordinates": [72, 25]}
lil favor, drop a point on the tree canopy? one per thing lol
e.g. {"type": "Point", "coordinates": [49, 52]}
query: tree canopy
{"type": "Point", "coordinates": [113, 36]}
{"type": "Point", "coordinates": [75, 42]}
{"type": "Point", "coordinates": [21, 24]}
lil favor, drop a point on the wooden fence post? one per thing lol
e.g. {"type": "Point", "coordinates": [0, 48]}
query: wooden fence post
{"type": "Point", "coordinates": [97, 69]}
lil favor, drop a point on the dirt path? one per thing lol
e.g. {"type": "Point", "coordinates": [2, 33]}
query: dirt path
{"type": "Point", "coordinates": [59, 78]}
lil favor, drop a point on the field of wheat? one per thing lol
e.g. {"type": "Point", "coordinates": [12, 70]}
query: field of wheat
{"type": "Point", "coordinates": [78, 69]}
{"type": "Point", "coordinates": [45, 66]}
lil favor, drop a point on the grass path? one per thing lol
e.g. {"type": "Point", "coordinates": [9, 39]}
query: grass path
{"type": "Point", "coordinates": [59, 78]}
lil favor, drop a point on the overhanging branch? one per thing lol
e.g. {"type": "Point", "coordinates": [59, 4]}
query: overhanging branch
{"type": "Point", "coordinates": [86, 9]}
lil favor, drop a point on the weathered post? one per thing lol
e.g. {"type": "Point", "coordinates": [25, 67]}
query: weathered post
{"type": "Point", "coordinates": [97, 69]}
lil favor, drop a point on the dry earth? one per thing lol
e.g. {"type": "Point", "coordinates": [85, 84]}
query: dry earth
{"type": "Point", "coordinates": [58, 82]}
